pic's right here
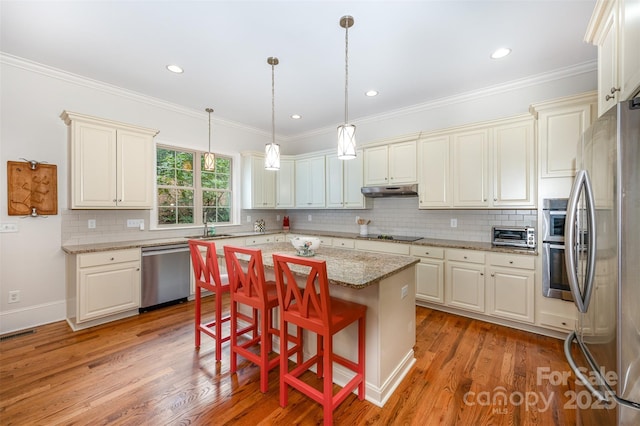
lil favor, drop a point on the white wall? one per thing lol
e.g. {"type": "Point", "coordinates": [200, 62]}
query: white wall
{"type": "Point", "coordinates": [32, 98]}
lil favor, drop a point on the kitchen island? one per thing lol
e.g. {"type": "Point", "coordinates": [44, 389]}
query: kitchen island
{"type": "Point", "coordinates": [386, 285]}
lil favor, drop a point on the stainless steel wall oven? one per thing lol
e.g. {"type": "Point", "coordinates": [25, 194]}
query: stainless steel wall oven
{"type": "Point", "coordinates": [555, 282]}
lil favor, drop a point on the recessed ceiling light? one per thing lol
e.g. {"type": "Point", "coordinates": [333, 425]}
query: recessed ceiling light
{"type": "Point", "coordinates": [500, 53]}
{"type": "Point", "coordinates": [175, 68]}
{"type": "Point", "coordinates": [371, 93]}
{"type": "Point", "coordinates": [296, 116]}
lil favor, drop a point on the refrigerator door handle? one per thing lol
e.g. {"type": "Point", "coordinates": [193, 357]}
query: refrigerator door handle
{"type": "Point", "coordinates": [608, 396]}
{"type": "Point", "coordinates": [581, 299]}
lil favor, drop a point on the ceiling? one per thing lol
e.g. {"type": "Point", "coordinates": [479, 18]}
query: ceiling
{"type": "Point", "coordinates": [412, 52]}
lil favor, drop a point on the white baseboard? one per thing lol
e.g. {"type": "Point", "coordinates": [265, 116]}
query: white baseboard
{"type": "Point", "coordinates": [32, 316]}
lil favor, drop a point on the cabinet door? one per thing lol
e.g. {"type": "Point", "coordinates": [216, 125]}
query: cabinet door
{"type": "Point", "coordinates": [335, 185]}
{"type": "Point", "coordinates": [258, 184]}
{"type": "Point", "coordinates": [510, 294]}
{"type": "Point", "coordinates": [303, 197]}
{"type": "Point", "coordinates": [465, 286]}
{"type": "Point", "coordinates": [376, 168]}
{"type": "Point", "coordinates": [402, 163]}
{"type": "Point", "coordinates": [559, 131]}
{"type": "Point", "coordinates": [285, 180]}
{"type": "Point", "coordinates": [134, 170]}
{"type": "Point", "coordinates": [514, 177]}
{"type": "Point", "coordinates": [470, 169]}
{"type": "Point", "coordinates": [629, 47]}
{"type": "Point", "coordinates": [93, 166]}
{"type": "Point", "coordinates": [108, 289]}
{"type": "Point", "coordinates": [434, 180]}
{"type": "Point", "coordinates": [310, 185]}
{"type": "Point", "coordinates": [430, 281]}
{"type": "Point", "coordinates": [353, 180]}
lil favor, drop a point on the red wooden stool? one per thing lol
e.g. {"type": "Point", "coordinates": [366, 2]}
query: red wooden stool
{"type": "Point", "coordinates": [325, 316]}
{"type": "Point", "coordinates": [207, 277]}
{"type": "Point", "coordinates": [248, 287]}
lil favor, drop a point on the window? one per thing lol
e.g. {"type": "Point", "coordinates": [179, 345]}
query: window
{"type": "Point", "coordinates": [186, 192]}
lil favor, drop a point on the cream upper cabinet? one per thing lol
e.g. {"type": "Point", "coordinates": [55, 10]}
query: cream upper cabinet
{"type": "Point", "coordinates": [285, 184]}
{"type": "Point", "coordinates": [560, 124]}
{"type": "Point", "coordinates": [615, 29]}
{"type": "Point", "coordinates": [112, 164]}
{"type": "Point", "coordinates": [514, 172]}
{"type": "Point", "coordinates": [259, 185]}
{"type": "Point", "coordinates": [434, 176]}
{"type": "Point", "coordinates": [390, 164]}
{"type": "Point", "coordinates": [310, 182]}
{"type": "Point", "coordinates": [344, 178]}
{"type": "Point", "coordinates": [470, 160]}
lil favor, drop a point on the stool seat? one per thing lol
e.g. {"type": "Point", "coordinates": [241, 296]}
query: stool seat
{"type": "Point", "coordinates": [306, 303]}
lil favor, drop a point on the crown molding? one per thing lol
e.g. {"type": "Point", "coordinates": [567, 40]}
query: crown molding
{"type": "Point", "coordinates": [79, 80]}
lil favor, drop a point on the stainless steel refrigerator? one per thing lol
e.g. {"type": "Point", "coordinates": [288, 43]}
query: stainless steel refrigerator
{"type": "Point", "coordinates": [602, 258]}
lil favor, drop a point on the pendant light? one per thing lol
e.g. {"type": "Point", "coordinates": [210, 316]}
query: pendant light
{"type": "Point", "coordinates": [346, 132]}
{"type": "Point", "coordinates": [272, 150]}
{"type": "Point", "coordinates": [209, 157]}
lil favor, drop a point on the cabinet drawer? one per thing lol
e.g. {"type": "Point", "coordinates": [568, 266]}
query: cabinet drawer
{"type": "Point", "coordinates": [512, 261]}
{"type": "Point", "coordinates": [430, 252]}
{"type": "Point", "coordinates": [108, 257]}
{"type": "Point", "coordinates": [466, 256]}
{"type": "Point", "coordinates": [557, 321]}
{"type": "Point", "coordinates": [344, 243]}
{"type": "Point", "coordinates": [260, 239]}
{"type": "Point", "coordinates": [382, 247]}
{"type": "Point", "coordinates": [326, 241]}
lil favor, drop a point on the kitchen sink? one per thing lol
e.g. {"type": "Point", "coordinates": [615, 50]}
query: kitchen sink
{"type": "Point", "coordinates": [210, 237]}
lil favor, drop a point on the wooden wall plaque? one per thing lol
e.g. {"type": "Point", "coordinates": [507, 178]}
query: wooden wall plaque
{"type": "Point", "coordinates": [32, 188]}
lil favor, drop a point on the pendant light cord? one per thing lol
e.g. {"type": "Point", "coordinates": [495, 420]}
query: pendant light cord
{"type": "Point", "coordinates": [273, 104]}
{"type": "Point", "coordinates": [346, 74]}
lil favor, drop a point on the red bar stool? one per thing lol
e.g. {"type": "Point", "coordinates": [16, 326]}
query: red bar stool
{"type": "Point", "coordinates": [249, 287]}
{"type": "Point", "coordinates": [207, 277]}
{"type": "Point", "coordinates": [325, 316]}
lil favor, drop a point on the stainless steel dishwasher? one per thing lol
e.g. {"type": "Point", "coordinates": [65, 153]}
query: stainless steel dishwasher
{"type": "Point", "coordinates": [166, 273]}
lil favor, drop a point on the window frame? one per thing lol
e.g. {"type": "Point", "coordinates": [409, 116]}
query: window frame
{"type": "Point", "coordinates": [234, 218]}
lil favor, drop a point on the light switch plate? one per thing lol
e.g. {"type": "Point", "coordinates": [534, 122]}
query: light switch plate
{"type": "Point", "coordinates": [135, 223]}
{"type": "Point", "coordinates": [9, 227]}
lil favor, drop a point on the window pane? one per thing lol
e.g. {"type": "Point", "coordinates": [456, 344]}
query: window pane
{"type": "Point", "coordinates": [223, 215]}
{"type": "Point", "coordinates": [166, 176]}
{"type": "Point", "coordinates": [184, 178]}
{"type": "Point", "coordinates": [184, 160]}
{"type": "Point", "coordinates": [165, 158]}
{"type": "Point", "coordinates": [185, 215]}
{"type": "Point", "coordinates": [166, 197]}
{"type": "Point", "coordinates": [166, 215]}
{"type": "Point", "coordinates": [185, 197]}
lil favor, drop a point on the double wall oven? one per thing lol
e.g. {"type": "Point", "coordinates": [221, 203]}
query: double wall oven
{"type": "Point", "coordinates": [555, 282]}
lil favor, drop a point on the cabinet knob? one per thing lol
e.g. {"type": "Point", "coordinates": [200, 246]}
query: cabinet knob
{"type": "Point", "coordinates": [495, 199]}
{"type": "Point", "coordinates": [426, 252]}
{"type": "Point", "coordinates": [482, 274]}
{"type": "Point", "coordinates": [465, 257]}
{"type": "Point", "coordinates": [113, 258]}
{"type": "Point", "coordinates": [114, 200]}
{"type": "Point", "coordinates": [612, 95]}
{"type": "Point", "coordinates": [484, 199]}
{"type": "Point", "coordinates": [511, 262]}
{"type": "Point", "coordinates": [493, 275]}
{"type": "Point", "coordinates": [137, 269]}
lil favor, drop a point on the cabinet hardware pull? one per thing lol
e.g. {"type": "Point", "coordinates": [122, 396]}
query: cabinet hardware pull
{"type": "Point", "coordinates": [482, 274]}
{"type": "Point", "coordinates": [493, 275]}
{"type": "Point", "coordinates": [511, 262]}
{"type": "Point", "coordinates": [112, 258]}
{"type": "Point", "coordinates": [495, 199]}
{"type": "Point", "coordinates": [465, 257]}
{"type": "Point", "coordinates": [614, 90]}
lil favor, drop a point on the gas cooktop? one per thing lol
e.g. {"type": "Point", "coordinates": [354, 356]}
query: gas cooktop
{"type": "Point", "coordinates": [391, 237]}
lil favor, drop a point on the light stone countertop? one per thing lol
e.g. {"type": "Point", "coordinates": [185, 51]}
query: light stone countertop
{"type": "Point", "coordinates": [346, 267]}
{"type": "Point", "coordinates": [432, 242]}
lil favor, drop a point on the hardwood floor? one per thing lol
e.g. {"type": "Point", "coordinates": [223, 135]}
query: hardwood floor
{"type": "Point", "coordinates": [145, 370]}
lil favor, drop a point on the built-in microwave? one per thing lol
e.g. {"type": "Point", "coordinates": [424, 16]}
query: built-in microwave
{"type": "Point", "coordinates": [514, 236]}
{"type": "Point", "coordinates": [554, 213]}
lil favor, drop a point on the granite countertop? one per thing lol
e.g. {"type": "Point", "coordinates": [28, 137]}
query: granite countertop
{"type": "Point", "coordinates": [345, 267]}
{"type": "Point", "coordinates": [432, 242]}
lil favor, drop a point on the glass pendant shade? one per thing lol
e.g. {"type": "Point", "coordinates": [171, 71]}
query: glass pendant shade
{"type": "Point", "coordinates": [209, 161]}
{"type": "Point", "coordinates": [346, 142]}
{"type": "Point", "coordinates": [272, 156]}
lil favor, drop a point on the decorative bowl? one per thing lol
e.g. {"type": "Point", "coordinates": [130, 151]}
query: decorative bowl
{"type": "Point", "coordinates": [305, 246]}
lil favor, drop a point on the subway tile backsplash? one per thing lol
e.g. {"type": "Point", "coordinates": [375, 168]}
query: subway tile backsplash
{"type": "Point", "coordinates": [397, 216]}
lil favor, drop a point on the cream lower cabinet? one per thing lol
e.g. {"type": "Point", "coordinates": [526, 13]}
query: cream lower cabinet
{"type": "Point", "coordinates": [429, 273]}
{"type": "Point", "coordinates": [465, 280]}
{"type": "Point", "coordinates": [102, 284]}
{"type": "Point", "coordinates": [511, 286]}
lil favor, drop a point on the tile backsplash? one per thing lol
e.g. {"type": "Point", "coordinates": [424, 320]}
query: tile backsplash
{"type": "Point", "coordinates": [397, 216]}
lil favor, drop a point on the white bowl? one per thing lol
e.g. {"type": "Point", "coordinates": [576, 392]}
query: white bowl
{"type": "Point", "coordinates": [312, 243]}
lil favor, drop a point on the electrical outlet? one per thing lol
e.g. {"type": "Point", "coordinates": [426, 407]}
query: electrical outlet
{"type": "Point", "coordinates": [248, 219]}
{"type": "Point", "coordinates": [357, 219]}
{"type": "Point", "coordinates": [8, 227]}
{"type": "Point", "coordinates": [14, 296]}
{"type": "Point", "coordinates": [135, 223]}
{"type": "Point", "coordinates": [277, 218]}
{"type": "Point", "coordinates": [404, 292]}
{"type": "Point", "coordinates": [309, 218]}
{"type": "Point", "coordinates": [91, 224]}
{"type": "Point", "coordinates": [454, 223]}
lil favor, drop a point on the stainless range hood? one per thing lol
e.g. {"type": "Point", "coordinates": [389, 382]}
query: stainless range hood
{"type": "Point", "coordinates": [390, 191]}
